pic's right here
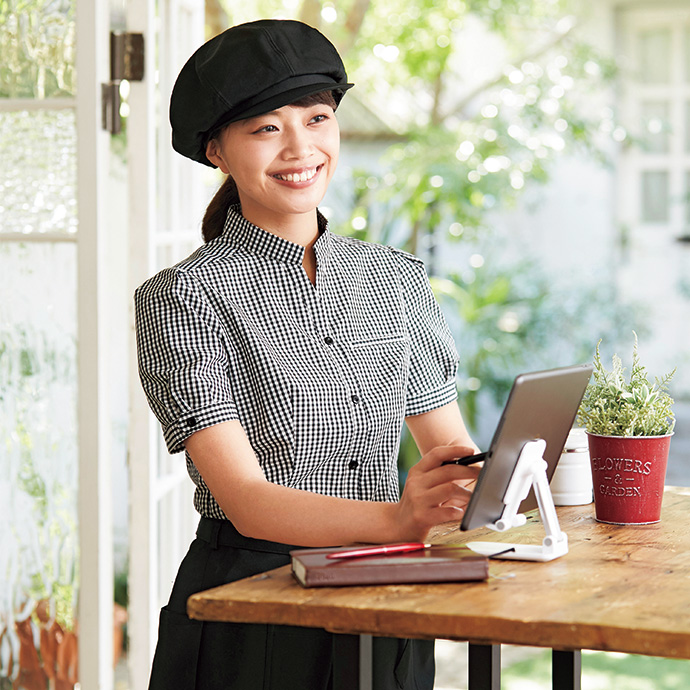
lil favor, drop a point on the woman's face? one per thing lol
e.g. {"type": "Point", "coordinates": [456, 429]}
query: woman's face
{"type": "Point", "coordinates": [281, 162]}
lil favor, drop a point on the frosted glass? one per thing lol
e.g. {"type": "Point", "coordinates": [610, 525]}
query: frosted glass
{"type": "Point", "coordinates": [655, 196]}
{"type": "Point", "coordinates": [38, 168]}
{"type": "Point", "coordinates": [655, 126]}
{"type": "Point", "coordinates": [38, 434]}
{"type": "Point", "coordinates": [37, 44]}
{"type": "Point", "coordinates": [655, 56]}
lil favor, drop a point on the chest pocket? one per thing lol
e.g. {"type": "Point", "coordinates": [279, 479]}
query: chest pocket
{"type": "Point", "coordinates": [382, 366]}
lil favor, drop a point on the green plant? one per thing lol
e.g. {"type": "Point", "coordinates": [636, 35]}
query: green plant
{"type": "Point", "coordinates": [614, 406]}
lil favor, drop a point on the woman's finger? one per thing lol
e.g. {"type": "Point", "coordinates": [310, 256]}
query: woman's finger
{"type": "Point", "coordinates": [441, 454]}
{"type": "Point", "coordinates": [444, 474]}
{"type": "Point", "coordinates": [443, 493]}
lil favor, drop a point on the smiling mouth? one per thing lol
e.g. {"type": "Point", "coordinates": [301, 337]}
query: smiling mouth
{"type": "Point", "coordinates": [303, 176]}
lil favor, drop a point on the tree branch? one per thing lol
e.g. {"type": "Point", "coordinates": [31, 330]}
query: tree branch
{"type": "Point", "coordinates": [217, 19]}
{"type": "Point", "coordinates": [310, 13]}
{"type": "Point", "coordinates": [353, 24]}
{"type": "Point", "coordinates": [436, 117]}
{"type": "Point", "coordinates": [460, 107]}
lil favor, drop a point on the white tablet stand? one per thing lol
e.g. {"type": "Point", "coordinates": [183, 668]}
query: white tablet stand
{"type": "Point", "coordinates": [530, 471]}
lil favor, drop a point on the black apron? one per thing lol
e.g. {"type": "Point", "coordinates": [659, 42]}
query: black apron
{"type": "Point", "coordinates": [200, 655]}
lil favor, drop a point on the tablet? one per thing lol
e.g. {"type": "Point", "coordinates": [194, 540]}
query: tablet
{"type": "Point", "coordinates": [541, 404]}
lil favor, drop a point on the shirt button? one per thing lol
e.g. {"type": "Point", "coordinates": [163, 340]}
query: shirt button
{"type": "Point", "coordinates": [355, 399]}
{"type": "Point", "coordinates": [191, 421]}
{"type": "Point", "coordinates": [353, 464]}
{"type": "Point", "coordinates": [328, 340]}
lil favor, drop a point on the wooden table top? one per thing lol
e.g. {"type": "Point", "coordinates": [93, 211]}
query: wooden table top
{"type": "Point", "coordinates": [620, 588]}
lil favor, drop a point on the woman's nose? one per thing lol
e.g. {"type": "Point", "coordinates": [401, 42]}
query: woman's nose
{"type": "Point", "coordinates": [297, 143]}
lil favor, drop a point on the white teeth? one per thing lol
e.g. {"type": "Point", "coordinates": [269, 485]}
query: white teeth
{"type": "Point", "coordinates": [298, 177]}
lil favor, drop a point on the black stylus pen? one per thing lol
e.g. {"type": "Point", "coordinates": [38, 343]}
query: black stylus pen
{"type": "Point", "coordinates": [467, 460]}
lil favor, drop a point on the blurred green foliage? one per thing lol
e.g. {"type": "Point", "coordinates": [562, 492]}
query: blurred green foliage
{"type": "Point", "coordinates": [611, 670]}
{"type": "Point", "coordinates": [37, 44]}
{"type": "Point", "coordinates": [475, 134]}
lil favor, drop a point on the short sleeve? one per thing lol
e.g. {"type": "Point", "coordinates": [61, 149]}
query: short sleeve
{"type": "Point", "coordinates": [182, 356]}
{"type": "Point", "coordinates": [433, 358]}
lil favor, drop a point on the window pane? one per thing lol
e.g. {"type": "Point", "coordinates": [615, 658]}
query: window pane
{"type": "Point", "coordinates": [38, 161]}
{"type": "Point", "coordinates": [38, 434]}
{"type": "Point", "coordinates": [654, 56]}
{"type": "Point", "coordinates": [37, 42]}
{"type": "Point", "coordinates": [655, 197]}
{"type": "Point", "coordinates": [655, 126]}
{"type": "Point", "coordinates": [163, 256]}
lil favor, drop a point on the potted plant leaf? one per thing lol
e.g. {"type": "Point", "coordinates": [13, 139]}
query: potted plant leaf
{"type": "Point", "coordinates": [629, 423]}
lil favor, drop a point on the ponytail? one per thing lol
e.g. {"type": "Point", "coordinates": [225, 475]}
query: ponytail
{"type": "Point", "coordinates": [216, 213]}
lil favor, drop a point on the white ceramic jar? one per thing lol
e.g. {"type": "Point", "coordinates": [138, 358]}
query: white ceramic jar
{"type": "Point", "coordinates": [571, 483]}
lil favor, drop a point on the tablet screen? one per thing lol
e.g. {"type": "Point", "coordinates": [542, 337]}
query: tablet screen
{"type": "Point", "coordinates": [541, 404]}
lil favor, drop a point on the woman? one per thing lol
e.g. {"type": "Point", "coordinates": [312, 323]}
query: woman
{"type": "Point", "coordinates": [283, 360]}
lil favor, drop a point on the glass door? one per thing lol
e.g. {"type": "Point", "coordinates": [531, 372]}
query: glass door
{"type": "Point", "coordinates": [55, 543]}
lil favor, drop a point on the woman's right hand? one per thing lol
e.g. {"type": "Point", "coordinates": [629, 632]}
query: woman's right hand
{"type": "Point", "coordinates": [435, 493]}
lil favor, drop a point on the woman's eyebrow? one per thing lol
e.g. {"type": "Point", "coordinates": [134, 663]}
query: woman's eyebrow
{"type": "Point", "coordinates": [272, 113]}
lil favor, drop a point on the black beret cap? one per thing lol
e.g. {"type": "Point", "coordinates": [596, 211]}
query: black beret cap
{"type": "Point", "coordinates": [249, 70]}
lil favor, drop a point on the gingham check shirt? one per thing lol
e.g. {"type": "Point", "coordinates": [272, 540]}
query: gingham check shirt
{"type": "Point", "coordinates": [320, 378]}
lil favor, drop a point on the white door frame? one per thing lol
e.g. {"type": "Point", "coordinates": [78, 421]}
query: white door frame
{"type": "Point", "coordinates": [162, 517]}
{"type": "Point", "coordinates": [95, 502]}
{"type": "Point", "coordinates": [141, 152]}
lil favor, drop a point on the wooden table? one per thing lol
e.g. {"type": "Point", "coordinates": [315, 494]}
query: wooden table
{"type": "Point", "coordinates": [620, 588]}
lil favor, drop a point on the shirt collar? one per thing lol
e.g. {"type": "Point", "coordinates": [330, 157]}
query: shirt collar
{"type": "Point", "coordinates": [241, 233]}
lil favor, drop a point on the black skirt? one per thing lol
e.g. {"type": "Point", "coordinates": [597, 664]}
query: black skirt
{"type": "Point", "coordinates": [196, 655]}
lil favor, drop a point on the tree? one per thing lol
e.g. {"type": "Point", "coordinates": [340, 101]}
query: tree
{"type": "Point", "coordinates": [474, 138]}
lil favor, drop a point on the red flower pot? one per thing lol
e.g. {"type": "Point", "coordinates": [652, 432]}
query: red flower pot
{"type": "Point", "coordinates": [628, 473]}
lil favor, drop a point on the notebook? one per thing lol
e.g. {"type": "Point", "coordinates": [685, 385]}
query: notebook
{"type": "Point", "coordinates": [439, 563]}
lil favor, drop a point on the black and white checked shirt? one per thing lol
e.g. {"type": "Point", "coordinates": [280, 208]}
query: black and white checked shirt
{"type": "Point", "coordinates": [320, 378]}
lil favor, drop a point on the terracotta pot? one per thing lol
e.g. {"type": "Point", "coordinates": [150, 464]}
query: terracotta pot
{"type": "Point", "coordinates": [119, 621]}
{"type": "Point", "coordinates": [31, 674]}
{"type": "Point", "coordinates": [628, 473]}
{"type": "Point", "coordinates": [57, 665]}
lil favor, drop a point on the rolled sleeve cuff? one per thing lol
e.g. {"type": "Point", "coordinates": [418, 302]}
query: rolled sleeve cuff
{"type": "Point", "coordinates": [191, 421]}
{"type": "Point", "coordinates": [430, 400]}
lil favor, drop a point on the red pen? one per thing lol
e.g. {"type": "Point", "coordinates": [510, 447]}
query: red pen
{"type": "Point", "coordinates": [378, 550]}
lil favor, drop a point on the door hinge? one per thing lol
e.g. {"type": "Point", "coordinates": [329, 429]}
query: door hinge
{"type": "Point", "coordinates": [126, 56]}
{"type": "Point", "coordinates": [126, 63]}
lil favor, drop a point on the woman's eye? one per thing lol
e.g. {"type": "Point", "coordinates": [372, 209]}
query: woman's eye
{"type": "Point", "coordinates": [319, 118]}
{"type": "Point", "coordinates": [267, 128]}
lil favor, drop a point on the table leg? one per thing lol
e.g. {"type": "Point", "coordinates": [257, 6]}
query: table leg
{"type": "Point", "coordinates": [484, 667]}
{"type": "Point", "coordinates": [566, 669]}
{"type": "Point", "coordinates": [366, 662]}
